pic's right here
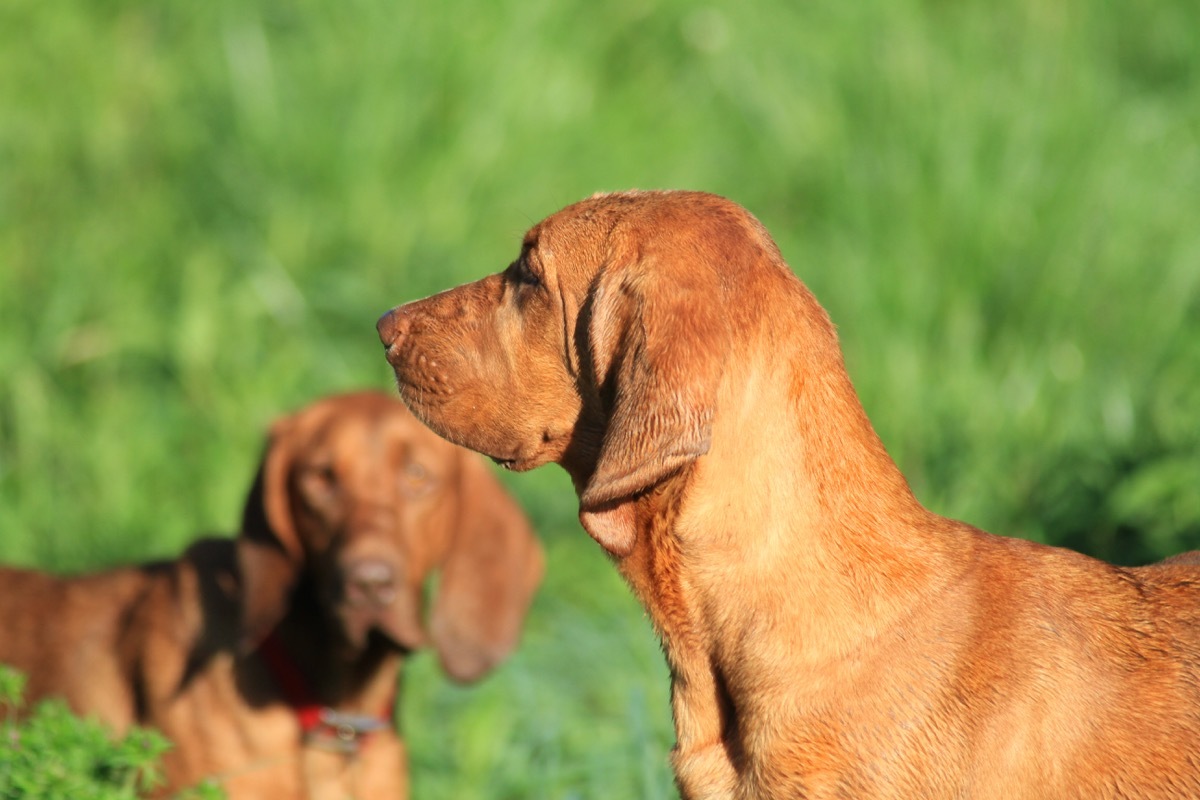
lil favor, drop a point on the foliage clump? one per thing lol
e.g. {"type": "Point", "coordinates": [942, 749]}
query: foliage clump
{"type": "Point", "coordinates": [48, 753]}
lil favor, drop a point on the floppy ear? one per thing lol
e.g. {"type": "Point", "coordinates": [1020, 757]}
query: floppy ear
{"type": "Point", "coordinates": [269, 552]}
{"type": "Point", "coordinates": [493, 566]}
{"type": "Point", "coordinates": [653, 344]}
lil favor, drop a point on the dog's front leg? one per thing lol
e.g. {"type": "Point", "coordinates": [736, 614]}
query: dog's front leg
{"type": "Point", "coordinates": [705, 774]}
{"type": "Point", "coordinates": [703, 760]}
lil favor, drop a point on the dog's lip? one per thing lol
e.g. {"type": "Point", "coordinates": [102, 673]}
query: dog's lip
{"type": "Point", "coordinates": [523, 457]}
{"type": "Point", "coordinates": [393, 353]}
{"type": "Point", "coordinates": [512, 461]}
{"type": "Point", "coordinates": [515, 462]}
{"type": "Point", "coordinates": [416, 393]}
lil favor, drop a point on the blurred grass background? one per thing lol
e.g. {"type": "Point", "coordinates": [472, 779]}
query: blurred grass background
{"type": "Point", "coordinates": [205, 206]}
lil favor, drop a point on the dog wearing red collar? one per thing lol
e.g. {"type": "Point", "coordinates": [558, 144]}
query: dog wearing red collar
{"type": "Point", "coordinates": [271, 660]}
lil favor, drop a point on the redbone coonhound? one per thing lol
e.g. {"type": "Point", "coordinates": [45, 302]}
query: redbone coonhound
{"type": "Point", "coordinates": [827, 636]}
{"type": "Point", "coordinates": [271, 660]}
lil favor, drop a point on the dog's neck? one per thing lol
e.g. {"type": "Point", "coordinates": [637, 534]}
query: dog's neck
{"type": "Point", "coordinates": [794, 540]}
{"type": "Point", "coordinates": [357, 680]}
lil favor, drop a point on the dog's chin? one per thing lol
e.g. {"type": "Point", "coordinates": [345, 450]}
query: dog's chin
{"type": "Point", "coordinates": [360, 628]}
{"type": "Point", "coordinates": [485, 440]}
{"type": "Point", "coordinates": [376, 637]}
{"type": "Point", "coordinates": [419, 400]}
{"type": "Point", "coordinates": [429, 409]}
{"type": "Point", "coordinates": [521, 454]}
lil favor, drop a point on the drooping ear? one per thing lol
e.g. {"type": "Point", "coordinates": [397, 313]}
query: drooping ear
{"type": "Point", "coordinates": [653, 337]}
{"type": "Point", "coordinates": [488, 578]}
{"type": "Point", "coordinates": [269, 552]}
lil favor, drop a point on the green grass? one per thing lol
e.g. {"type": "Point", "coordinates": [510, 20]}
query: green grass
{"type": "Point", "coordinates": [204, 207]}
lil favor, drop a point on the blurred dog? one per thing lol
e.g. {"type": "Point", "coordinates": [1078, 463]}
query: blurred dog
{"type": "Point", "coordinates": [827, 636]}
{"type": "Point", "coordinates": [271, 661]}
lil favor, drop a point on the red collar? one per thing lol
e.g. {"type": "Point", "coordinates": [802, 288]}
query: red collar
{"type": "Point", "coordinates": [320, 725]}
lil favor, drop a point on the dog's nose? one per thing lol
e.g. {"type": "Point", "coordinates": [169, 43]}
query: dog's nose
{"type": "Point", "coordinates": [392, 327]}
{"type": "Point", "coordinates": [370, 583]}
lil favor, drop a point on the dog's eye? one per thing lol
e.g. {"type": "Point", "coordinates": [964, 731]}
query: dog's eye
{"type": "Point", "coordinates": [321, 473]}
{"type": "Point", "coordinates": [319, 481]}
{"type": "Point", "coordinates": [416, 479]}
{"type": "Point", "coordinates": [523, 274]}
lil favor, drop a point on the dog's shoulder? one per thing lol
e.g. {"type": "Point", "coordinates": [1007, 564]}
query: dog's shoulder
{"type": "Point", "coordinates": [187, 604]}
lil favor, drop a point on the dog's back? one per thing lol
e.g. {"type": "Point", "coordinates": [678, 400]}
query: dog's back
{"type": "Point", "coordinates": [69, 635]}
{"type": "Point", "coordinates": [87, 637]}
{"type": "Point", "coordinates": [156, 645]}
{"type": "Point", "coordinates": [1081, 674]}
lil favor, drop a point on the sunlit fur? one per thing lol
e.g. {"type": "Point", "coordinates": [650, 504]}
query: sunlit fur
{"type": "Point", "coordinates": [827, 636]}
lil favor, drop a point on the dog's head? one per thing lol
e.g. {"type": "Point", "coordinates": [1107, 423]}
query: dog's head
{"type": "Point", "coordinates": [356, 504]}
{"type": "Point", "coordinates": [599, 348]}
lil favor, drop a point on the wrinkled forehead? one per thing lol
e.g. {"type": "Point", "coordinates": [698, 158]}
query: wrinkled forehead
{"type": "Point", "coordinates": [584, 224]}
{"type": "Point", "coordinates": [581, 237]}
{"type": "Point", "coordinates": [364, 430]}
{"type": "Point", "coordinates": [607, 222]}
